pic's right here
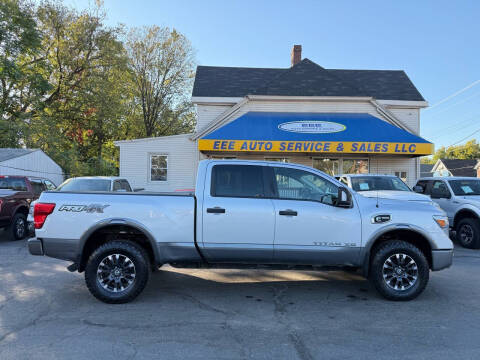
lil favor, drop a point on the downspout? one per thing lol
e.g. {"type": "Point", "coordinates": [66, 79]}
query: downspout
{"type": "Point", "coordinates": [390, 116]}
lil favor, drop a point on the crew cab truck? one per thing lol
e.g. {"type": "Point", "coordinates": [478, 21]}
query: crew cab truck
{"type": "Point", "coordinates": [459, 197]}
{"type": "Point", "coordinates": [16, 195]}
{"type": "Point", "coordinates": [242, 214]}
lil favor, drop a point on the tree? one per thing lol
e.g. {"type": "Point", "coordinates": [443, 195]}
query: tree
{"type": "Point", "coordinates": [469, 150]}
{"type": "Point", "coordinates": [23, 75]}
{"type": "Point", "coordinates": [83, 110]}
{"type": "Point", "coordinates": [162, 65]}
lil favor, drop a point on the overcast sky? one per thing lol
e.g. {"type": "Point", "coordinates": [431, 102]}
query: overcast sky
{"type": "Point", "coordinates": [436, 42]}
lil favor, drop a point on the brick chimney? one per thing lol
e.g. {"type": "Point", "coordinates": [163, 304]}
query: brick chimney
{"type": "Point", "coordinates": [296, 54]}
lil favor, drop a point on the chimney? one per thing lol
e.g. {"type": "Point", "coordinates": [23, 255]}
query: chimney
{"type": "Point", "coordinates": [296, 54]}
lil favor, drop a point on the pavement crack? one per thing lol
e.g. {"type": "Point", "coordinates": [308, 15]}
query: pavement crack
{"type": "Point", "coordinates": [281, 314]}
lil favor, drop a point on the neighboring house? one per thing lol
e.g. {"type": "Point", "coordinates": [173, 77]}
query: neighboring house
{"type": "Point", "coordinates": [338, 121]}
{"type": "Point", "coordinates": [477, 168]}
{"type": "Point", "coordinates": [29, 162]}
{"type": "Point", "coordinates": [426, 170]}
{"type": "Point", "coordinates": [455, 167]}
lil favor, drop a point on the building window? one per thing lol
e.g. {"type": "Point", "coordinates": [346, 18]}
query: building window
{"type": "Point", "coordinates": [355, 166]}
{"type": "Point", "coordinates": [402, 175]}
{"type": "Point", "coordinates": [158, 167]}
{"type": "Point", "coordinates": [278, 159]}
{"type": "Point", "coordinates": [328, 166]}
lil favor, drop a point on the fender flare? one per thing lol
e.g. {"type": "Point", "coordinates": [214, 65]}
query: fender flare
{"type": "Point", "coordinates": [19, 206]}
{"type": "Point", "coordinates": [117, 221]}
{"type": "Point", "coordinates": [366, 250]}
{"type": "Point", "coordinates": [466, 208]}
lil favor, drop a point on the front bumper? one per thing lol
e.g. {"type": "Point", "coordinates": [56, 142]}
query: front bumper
{"type": "Point", "coordinates": [441, 259]}
{"type": "Point", "coordinates": [35, 247]}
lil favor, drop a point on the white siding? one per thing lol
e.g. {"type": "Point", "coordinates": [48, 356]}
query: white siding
{"type": "Point", "coordinates": [388, 165]}
{"type": "Point", "coordinates": [407, 116]}
{"type": "Point", "coordinates": [36, 163]}
{"type": "Point", "coordinates": [207, 113]}
{"type": "Point", "coordinates": [182, 162]}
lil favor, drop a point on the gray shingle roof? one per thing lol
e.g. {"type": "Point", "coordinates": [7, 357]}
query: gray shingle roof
{"type": "Point", "coordinates": [7, 153]}
{"type": "Point", "coordinates": [461, 167]}
{"type": "Point", "coordinates": [426, 170]}
{"type": "Point", "coordinates": [304, 79]}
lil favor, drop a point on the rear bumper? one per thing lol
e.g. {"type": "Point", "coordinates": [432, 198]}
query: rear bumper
{"type": "Point", "coordinates": [441, 259]}
{"type": "Point", "coordinates": [35, 247]}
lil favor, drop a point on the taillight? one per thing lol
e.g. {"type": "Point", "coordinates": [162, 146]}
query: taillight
{"type": "Point", "coordinates": [40, 213]}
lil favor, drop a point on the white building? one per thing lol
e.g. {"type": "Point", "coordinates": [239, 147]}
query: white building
{"type": "Point", "coordinates": [339, 121]}
{"type": "Point", "coordinates": [30, 162]}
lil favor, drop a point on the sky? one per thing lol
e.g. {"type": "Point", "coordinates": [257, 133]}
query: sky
{"type": "Point", "coordinates": [437, 43]}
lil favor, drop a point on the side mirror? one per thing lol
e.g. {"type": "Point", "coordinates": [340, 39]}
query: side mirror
{"type": "Point", "coordinates": [418, 189]}
{"type": "Point", "coordinates": [439, 194]}
{"type": "Point", "coordinates": [344, 198]}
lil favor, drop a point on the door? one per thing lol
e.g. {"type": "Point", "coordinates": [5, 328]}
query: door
{"type": "Point", "coordinates": [238, 221]}
{"type": "Point", "coordinates": [309, 227]}
{"type": "Point", "coordinates": [441, 194]}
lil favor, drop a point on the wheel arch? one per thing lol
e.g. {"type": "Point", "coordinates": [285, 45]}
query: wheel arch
{"type": "Point", "coordinates": [407, 233]}
{"type": "Point", "coordinates": [463, 214]}
{"type": "Point", "coordinates": [101, 232]}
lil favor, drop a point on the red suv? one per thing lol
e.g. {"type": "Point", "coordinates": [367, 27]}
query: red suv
{"type": "Point", "coordinates": [16, 194]}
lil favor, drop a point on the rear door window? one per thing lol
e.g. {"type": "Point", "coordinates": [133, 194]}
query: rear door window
{"type": "Point", "coordinates": [13, 183]}
{"type": "Point", "coordinates": [49, 185]}
{"type": "Point", "coordinates": [237, 181]}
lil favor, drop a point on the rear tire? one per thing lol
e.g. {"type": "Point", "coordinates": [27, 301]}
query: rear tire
{"type": "Point", "coordinates": [18, 228]}
{"type": "Point", "coordinates": [399, 270]}
{"type": "Point", "coordinates": [468, 233]}
{"type": "Point", "coordinates": [117, 272]}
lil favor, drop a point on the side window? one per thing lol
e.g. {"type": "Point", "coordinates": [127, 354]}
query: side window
{"type": "Point", "coordinates": [294, 184]}
{"type": "Point", "coordinates": [423, 184]}
{"type": "Point", "coordinates": [237, 181]}
{"type": "Point", "coordinates": [440, 188]}
{"type": "Point", "coordinates": [37, 186]}
{"type": "Point", "coordinates": [117, 185]}
{"type": "Point", "coordinates": [49, 185]}
{"type": "Point", "coordinates": [126, 185]}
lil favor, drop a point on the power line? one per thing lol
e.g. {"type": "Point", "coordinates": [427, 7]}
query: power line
{"type": "Point", "coordinates": [454, 94]}
{"type": "Point", "coordinates": [465, 138]}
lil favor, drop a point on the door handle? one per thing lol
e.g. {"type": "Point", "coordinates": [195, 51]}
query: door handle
{"type": "Point", "coordinates": [216, 210]}
{"type": "Point", "coordinates": [288, 212]}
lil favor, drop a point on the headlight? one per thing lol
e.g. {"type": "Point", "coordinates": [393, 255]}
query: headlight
{"type": "Point", "coordinates": [441, 221]}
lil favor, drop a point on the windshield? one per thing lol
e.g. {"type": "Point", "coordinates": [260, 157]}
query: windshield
{"type": "Point", "coordinates": [369, 183]}
{"type": "Point", "coordinates": [13, 183]}
{"type": "Point", "coordinates": [77, 184]}
{"type": "Point", "coordinates": [465, 187]}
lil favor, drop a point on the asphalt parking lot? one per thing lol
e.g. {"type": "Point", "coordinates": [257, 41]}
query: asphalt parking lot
{"type": "Point", "coordinates": [47, 313]}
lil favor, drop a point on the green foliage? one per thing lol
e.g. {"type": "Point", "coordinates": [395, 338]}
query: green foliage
{"type": "Point", "coordinates": [469, 150]}
{"type": "Point", "coordinates": [69, 88]}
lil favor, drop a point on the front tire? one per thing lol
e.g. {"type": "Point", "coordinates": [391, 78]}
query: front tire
{"type": "Point", "coordinates": [399, 270]}
{"type": "Point", "coordinates": [18, 228]}
{"type": "Point", "coordinates": [117, 272]}
{"type": "Point", "coordinates": [468, 233]}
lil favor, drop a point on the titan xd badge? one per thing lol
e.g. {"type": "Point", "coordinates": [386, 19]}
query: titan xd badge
{"type": "Point", "coordinates": [92, 208]}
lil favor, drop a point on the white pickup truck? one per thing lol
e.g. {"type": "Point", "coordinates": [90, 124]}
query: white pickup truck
{"type": "Point", "coordinates": [242, 214]}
